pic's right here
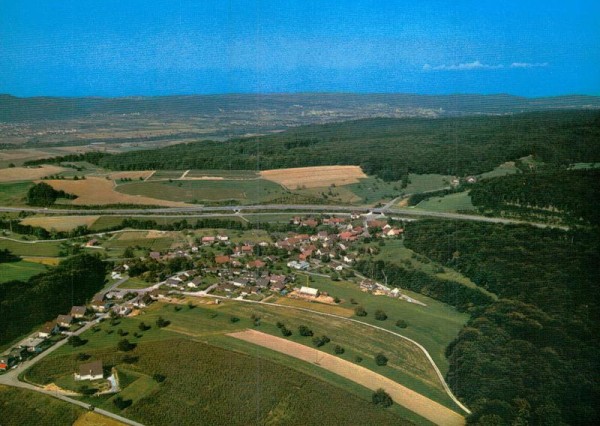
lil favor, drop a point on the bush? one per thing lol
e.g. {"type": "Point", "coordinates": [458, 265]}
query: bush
{"type": "Point", "coordinates": [338, 350]}
{"type": "Point", "coordinates": [125, 345]}
{"type": "Point", "coordinates": [234, 319]}
{"type": "Point", "coordinates": [305, 331]}
{"type": "Point", "coordinates": [159, 378]}
{"type": "Point", "coordinates": [320, 341]}
{"type": "Point", "coordinates": [359, 311]}
{"type": "Point", "coordinates": [76, 341]}
{"type": "Point", "coordinates": [381, 359]}
{"type": "Point", "coordinates": [285, 331]}
{"type": "Point", "coordinates": [121, 403]}
{"type": "Point", "coordinates": [143, 327]}
{"type": "Point", "coordinates": [401, 324]}
{"type": "Point", "coordinates": [358, 359]}
{"type": "Point", "coordinates": [161, 322]}
{"type": "Point", "coordinates": [380, 315]}
{"type": "Point", "coordinates": [82, 356]}
{"type": "Point", "coordinates": [381, 397]}
{"type": "Point", "coordinates": [353, 301]}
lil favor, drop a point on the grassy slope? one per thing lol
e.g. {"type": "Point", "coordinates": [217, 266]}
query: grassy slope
{"type": "Point", "coordinates": [225, 388]}
{"type": "Point", "coordinates": [19, 270]}
{"type": "Point", "coordinates": [449, 203]}
{"type": "Point", "coordinates": [14, 194]}
{"type": "Point", "coordinates": [20, 407]}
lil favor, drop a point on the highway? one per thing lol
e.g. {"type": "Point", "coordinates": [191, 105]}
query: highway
{"type": "Point", "coordinates": [235, 210]}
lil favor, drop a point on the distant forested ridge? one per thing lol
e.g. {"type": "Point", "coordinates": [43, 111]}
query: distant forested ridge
{"type": "Point", "coordinates": [572, 192]}
{"type": "Point", "coordinates": [24, 305]}
{"type": "Point", "coordinates": [532, 356]}
{"type": "Point", "coordinates": [391, 148]}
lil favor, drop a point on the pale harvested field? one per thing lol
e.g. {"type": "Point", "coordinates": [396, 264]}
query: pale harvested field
{"type": "Point", "coordinates": [314, 177]}
{"type": "Point", "coordinates": [25, 173]}
{"type": "Point", "coordinates": [59, 223]}
{"type": "Point", "coordinates": [94, 419]}
{"type": "Point", "coordinates": [131, 175]}
{"type": "Point", "coordinates": [51, 261]}
{"type": "Point", "coordinates": [316, 306]}
{"type": "Point", "coordinates": [100, 191]}
{"type": "Point", "coordinates": [402, 395]}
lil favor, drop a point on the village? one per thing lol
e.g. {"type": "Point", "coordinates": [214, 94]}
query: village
{"type": "Point", "coordinates": [221, 269]}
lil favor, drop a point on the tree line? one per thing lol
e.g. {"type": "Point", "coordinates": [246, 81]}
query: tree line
{"type": "Point", "coordinates": [26, 305]}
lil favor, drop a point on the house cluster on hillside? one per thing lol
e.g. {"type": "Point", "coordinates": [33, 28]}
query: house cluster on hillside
{"type": "Point", "coordinates": [63, 325]}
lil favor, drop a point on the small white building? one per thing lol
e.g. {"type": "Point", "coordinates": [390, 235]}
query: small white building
{"type": "Point", "coordinates": [309, 291]}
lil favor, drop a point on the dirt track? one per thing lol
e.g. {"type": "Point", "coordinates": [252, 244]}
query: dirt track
{"type": "Point", "coordinates": [410, 399]}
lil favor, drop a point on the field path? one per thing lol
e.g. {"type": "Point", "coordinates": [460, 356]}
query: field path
{"type": "Point", "coordinates": [402, 395]}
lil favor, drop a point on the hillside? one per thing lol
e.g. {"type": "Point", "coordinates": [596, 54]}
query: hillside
{"type": "Point", "coordinates": [391, 148]}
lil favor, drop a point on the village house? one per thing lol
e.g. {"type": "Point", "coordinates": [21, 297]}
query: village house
{"type": "Point", "coordinates": [78, 311]}
{"type": "Point", "coordinates": [256, 264]}
{"type": "Point", "coordinates": [98, 304]}
{"type": "Point", "coordinates": [195, 282]}
{"type": "Point", "coordinates": [155, 255]}
{"type": "Point", "coordinates": [301, 266]}
{"type": "Point", "coordinates": [240, 282]}
{"type": "Point", "coordinates": [221, 260]}
{"type": "Point", "coordinates": [278, 287]}
{"type": "Point", "coordinates": [64, 321]}
{"type": "Point", "coordinates": [33, 344]}
{"type": "Point", "coordinates": [142, 300]}
{"type": "Point", "coordinates": [90, 371]}
{"type": "Point", "coordinates": [48, 330]}
{"type": "Point", "coordinates": [222, 238]}
{"type": "Point", "coordinates": [208, 240]}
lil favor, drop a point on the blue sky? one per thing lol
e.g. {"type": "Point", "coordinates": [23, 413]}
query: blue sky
{"type": "Point", "coordinates": [161, 47]}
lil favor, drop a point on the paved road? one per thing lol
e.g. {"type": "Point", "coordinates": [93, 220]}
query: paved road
{"type": "Point", "coordinates": [11, 378]}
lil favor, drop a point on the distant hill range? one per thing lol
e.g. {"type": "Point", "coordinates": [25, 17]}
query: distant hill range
{"type": "Point", "coordinates": [283, 109]}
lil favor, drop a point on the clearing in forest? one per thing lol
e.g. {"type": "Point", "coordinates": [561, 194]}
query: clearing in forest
{"type": "Point", "coordinates": [314, 177]}
{"type": "Point", "coordinates": [402, 395]}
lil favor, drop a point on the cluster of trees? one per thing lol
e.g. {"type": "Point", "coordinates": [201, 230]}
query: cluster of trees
{"type": "Point", "coordinates": [25, 305]}
{"type": "Point", "coordinates": [531, 356]}
{"type": "Point", "coordinates": [44, 195]}
{"type": "Point", "coordinates": [7, 256]}
{"type": "Point", "coordinates": [390, 148]}
{"type": "Point", "coordinates": [571, 192]}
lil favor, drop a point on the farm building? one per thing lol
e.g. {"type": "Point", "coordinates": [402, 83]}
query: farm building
{"type": "Point", "coordinates": [309, 291]}
{"type": "Point", "coordinates": [90, 371]}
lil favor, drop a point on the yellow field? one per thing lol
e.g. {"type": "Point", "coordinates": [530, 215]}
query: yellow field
{"type": "Point", "coordinates": [100, 191]}
{"type": "Point", "coordinates": [59, 223]}
{"type": "Point", "coordinates": [25, 173]}
{"type": "Point", "coordinates": [314, 177]}
{"type": "Point", "coordinates": [52, 261]}
{"type": "Point", "coordinates": [94, 419]}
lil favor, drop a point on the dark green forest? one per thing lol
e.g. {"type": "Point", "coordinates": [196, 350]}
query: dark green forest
{"type": "Point", "coordinates": [532, 356]}
{"type": "Point", "coordinates": [390, 148]}
{"type": "Point", "coordinates": [25, 305]}
{"type": "Point", "coordinates": [574, 193]}
{"type": "Point", "coordinates": [43, 195]}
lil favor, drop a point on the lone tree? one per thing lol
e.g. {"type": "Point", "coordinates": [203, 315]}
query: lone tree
{"type": "Point", "coordinates": [381, 359]}
{"type": "Point", "coordinates": [380, 315]}
{"type": "Point", "coordinates": [76, 341]}
{"type": "Point", "coordinates": [359, 311]}
{"type": "Point", "coordinates": [125, 345]}
{"type": "Point", "coordinates": [161, 322]}
{"type": "Point", "coordinates": [401, 323]}
{"type": "Point", "coordinates": [305, 331]}
{"type": "Point", "coordinates": [338, 350]}
{"type": "Point", "coordinates": [381, 398]}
